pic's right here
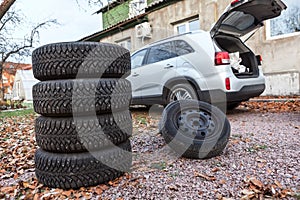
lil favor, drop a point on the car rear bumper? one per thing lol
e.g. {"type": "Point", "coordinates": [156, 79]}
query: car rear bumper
{"type": "Point", "coordinates": [245, 93]}
{"type": "Point", "coordinates": [219, 96]}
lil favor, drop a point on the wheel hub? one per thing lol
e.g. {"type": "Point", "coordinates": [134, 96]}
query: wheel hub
{"type": "Point", "coordinates": [180, 94]}
{"type": "Point", "coordinates": [198, 124]}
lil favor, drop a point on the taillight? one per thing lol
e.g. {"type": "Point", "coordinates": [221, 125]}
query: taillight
{"type": "Point", "coordinates": [259, 59]}
{"type": "Point", "coordinates": [222, 58]}
{"type": "Point", "coordinates": [234, 2]}
{"type": "Point", "coordinates": [227, 83]}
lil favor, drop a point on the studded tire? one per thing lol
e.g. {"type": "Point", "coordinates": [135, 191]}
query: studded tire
{"type": "Point", "coordinates": [195, 129]}
{"type": "Point", "coordinates": [81, 96]}
{"type": "Point", "coordinates": [80, 59]}
{"type": "Point", "coordinates": [84, 133]}
{"type": "Point", "coordinates": [72, 171]}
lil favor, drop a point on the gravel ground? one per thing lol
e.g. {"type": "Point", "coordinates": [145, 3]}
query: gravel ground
{"type": "Point", "coordinates": [261, 160]}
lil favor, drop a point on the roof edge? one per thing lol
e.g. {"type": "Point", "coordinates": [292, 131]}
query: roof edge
{"type": "Point", "coordinates": [110, 6]}
{"type": "Point", "coordinates": [125, 24]}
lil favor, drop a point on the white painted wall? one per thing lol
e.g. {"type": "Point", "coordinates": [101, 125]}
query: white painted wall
{"type": "Point", "coordinates": [287, 83]}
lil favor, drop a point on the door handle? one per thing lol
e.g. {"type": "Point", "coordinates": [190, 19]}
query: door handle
{"type": "Point", "coordinates": [169, 66]}
{"type": "Point", "coordinates": [135, 74]}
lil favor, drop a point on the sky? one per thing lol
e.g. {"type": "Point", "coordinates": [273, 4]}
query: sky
{"type": "Point", "coordinates": [76, 21]}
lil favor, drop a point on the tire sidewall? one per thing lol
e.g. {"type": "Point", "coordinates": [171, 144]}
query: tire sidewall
{"type": "Point", "coordinates": [172, 133]}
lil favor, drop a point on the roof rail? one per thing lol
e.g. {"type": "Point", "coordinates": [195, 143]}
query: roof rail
{"type": "Point", "coordinates": [174, 36]}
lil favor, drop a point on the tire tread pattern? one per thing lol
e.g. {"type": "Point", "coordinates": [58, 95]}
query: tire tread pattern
{"type": "Point", "coordinates": [72, 171]}
{"type": "Point", "coordinates": [80, 96]}
{"type": "Point", "coordinates": [80, 59]}
{"type": "Point", "coordinates": [70, 135]}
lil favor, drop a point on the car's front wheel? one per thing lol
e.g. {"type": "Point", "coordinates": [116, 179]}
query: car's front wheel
{"type": "Point", "coordinates": [181, 92]}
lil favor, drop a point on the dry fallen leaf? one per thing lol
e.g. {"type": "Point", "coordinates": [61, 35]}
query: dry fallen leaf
{"type": "Point", "coordinates": [216, 169]}
{"type": "Point", "coordinates": [248, 194]}
{"type": "Point", "coordinates": [173, 187]}
{"type": "Point", "coordinates": [260, 160]}
{"type": "Point", "coordinates": [256, 182]}
{"type": "Point", "coordinates": [278, 184]}
{"type": "Point", "coordinates": [208, 178]}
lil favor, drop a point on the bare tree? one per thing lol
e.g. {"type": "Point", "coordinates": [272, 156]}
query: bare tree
{"type": "Point", "coordinates": [16, 48]}
{"type": "Point", "coordinates": [5, 6]}
{"type": "Point", "coordinates": [99, 3]}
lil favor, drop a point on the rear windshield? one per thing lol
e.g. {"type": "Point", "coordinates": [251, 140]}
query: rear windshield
{"type": "Point", "coordinates": [238, 20]}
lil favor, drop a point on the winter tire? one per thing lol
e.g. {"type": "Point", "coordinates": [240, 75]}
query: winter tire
{"type": "Point", "coordinates": [195, 129]}
{"type": "Point", "coordinates": [72, 171]}
{"type": "Point", "coordinates": [81, 96]}
{"type": "Point", "coordinates": [80, 59]}
{"type": "Point", "coordinates": [79, 134]}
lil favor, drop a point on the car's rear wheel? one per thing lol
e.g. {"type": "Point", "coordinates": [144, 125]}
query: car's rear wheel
{"type": "Point", "coordinates": [182, 92]}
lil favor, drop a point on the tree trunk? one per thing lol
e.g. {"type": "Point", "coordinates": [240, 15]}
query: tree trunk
{"type": "Point", "coordinates": [4, 7]}
{"type": "Point", "coordinates": [1, 82]}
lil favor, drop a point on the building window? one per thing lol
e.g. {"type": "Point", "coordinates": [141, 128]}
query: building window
{"type": "Point", "coordinates": [4, 79]}
{"type": "Point", "coordinates": [287, 24]}
{"type": "Point", "coordinates": [137, 7]}
{"type": "Point", "coordinates": [187, 26]}
{"type": "Point", "coordinates": [125, 43]}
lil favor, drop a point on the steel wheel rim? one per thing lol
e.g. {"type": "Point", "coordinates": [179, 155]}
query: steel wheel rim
{"type": "Point", "coordinates": [196, 124]}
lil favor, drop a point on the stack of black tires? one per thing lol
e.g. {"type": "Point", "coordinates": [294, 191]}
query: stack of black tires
{"type": "Point", "coordinates": [85, 124]}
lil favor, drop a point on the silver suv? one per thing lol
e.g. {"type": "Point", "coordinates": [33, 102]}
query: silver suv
{"type": "Point", "coordinates": [214, 66]}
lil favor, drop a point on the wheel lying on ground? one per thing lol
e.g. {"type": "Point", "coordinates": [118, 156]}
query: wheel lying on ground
{"type": "Point", "coordinates": [79, 134]}
{"type": "Point", "coordinates": [81, 96]}
{"type": "Point", "coordinates": [72, 171]}
{"type": "Point", "coordinates": [80, 59]}
{"type": "Point", "coordinates": [195, 129]}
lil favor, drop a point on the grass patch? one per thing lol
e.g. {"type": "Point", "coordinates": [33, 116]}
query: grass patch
{"type": "Point", "coordinates": [257, 148]}
{"type": "Point", "coordinates": [141, 120]}
{"type": "Point", "coordinates": [159, 166]}
{"type": "Point", "coordinates": [16, 113]}
{"type": "Point", "coordinates": [28, 104]}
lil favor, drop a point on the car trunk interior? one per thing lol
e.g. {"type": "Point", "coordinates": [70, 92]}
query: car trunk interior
{"type": "Point", "coordinates": [247, 60]}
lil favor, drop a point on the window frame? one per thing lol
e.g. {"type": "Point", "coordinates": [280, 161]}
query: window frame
{"type": "Point", "coordinates": [281, 36]}
{"type": "Point", "coordinates": [125, 41]}
{"type": "Point", "coordinates": [186, 23]}
{"type": "Point", "coordinates": [286, 35]}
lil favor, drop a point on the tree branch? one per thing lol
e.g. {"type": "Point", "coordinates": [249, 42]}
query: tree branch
{"type": "Point", "coordinates": [5, 21]}
{"type": "Point", "coordinates": [5, 6]}
{"type": "Point", "coordinates": [35, 32]}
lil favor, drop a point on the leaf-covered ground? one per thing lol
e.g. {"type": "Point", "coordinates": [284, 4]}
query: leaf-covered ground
{"type": "Point", "coordinates": [261, 160]}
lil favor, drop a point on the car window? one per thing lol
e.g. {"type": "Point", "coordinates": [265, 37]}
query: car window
{"type": "Point", "coordinates": [161, 52]}
{"type": "Point", "coordinates": [239, 20]}
{"type": "Point", "coordinates": [138, 58]}
{"type": "Point", "coordinates": [182, 48]}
